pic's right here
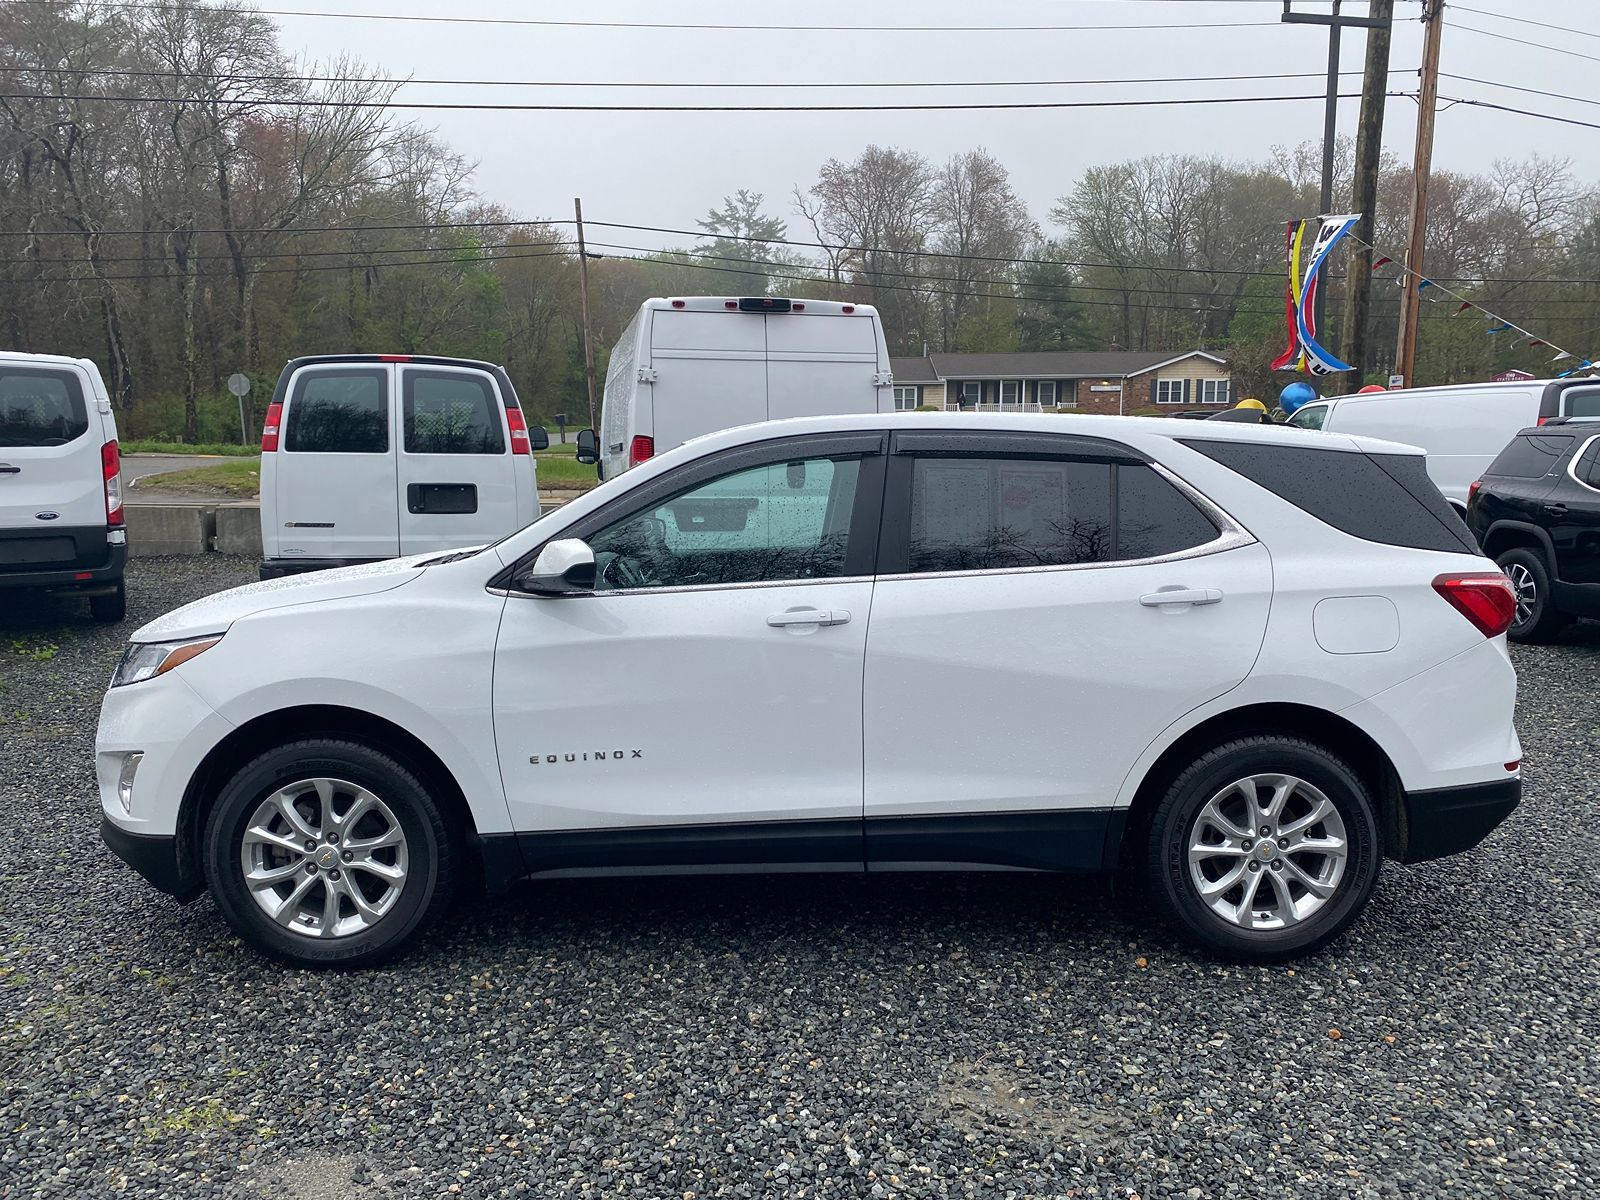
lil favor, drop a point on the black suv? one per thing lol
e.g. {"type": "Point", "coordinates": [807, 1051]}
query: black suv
{"type": "Point", "coordinates": [1536, 512]}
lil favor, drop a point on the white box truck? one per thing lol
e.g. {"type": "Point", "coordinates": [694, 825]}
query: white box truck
{"type": "Point", "coordinates": [690, 366]}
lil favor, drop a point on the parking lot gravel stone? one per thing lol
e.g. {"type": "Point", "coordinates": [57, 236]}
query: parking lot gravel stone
{"type": "Point", "coordinates": [993, 1036]}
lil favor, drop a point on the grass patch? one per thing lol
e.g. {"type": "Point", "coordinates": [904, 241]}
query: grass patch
{"type": "Point", "coordinates": [154, 446]}
{"type": "Point", "coordinates": [240, 479]}
{"type": "Point", "coordinates": [557, 470]}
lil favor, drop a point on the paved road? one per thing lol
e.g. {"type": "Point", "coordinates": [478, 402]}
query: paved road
{"type": "Point", "coordinates": [138, 466]}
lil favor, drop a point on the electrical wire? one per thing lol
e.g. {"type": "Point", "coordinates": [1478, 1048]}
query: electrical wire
{"type": "Point", "coordinates": [1506, 37]}
{"type": "Point", "coordinates": [1484, 12]}
{"type": "Point", "coordinates": [1524, 112]}
{"type": "Point", "coordinates": [1512, 87]}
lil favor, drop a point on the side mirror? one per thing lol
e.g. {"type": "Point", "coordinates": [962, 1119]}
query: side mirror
{"type": "Point", "coordinates": [564, 566]}
{"type": "Point", "coordinates": [588, 447]}
{"type": "Point", "coordinates": [538, 438]}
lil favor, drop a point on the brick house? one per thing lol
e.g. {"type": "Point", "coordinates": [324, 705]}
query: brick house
{"type": "Point", "coordinates": [1094, 381]}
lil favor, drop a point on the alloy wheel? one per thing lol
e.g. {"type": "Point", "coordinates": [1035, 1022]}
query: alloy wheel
{"type": "Point", "coordinates": [1267, 852]}
{"type": "Point", "coordinates": [324, 858]}
{"type": "Point", "coordinates": [1526, 589]}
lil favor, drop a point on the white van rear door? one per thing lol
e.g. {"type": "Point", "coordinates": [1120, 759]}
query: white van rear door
{"type": "Point", "coordinates": [710, 373]}
{"type": "Point", "coordinates": [50, 444]}
{"type": "Point", "coordinates": [335, 487]}
{"type": "Point", "coordinates": [821, 364]}
{"type": "Point", "coordinates": [457, 481]}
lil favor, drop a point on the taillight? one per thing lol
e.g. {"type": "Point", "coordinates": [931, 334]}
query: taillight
{"type": "Point", "coordinates": [111, 469]}
{"type": "Point", "coordinates": [269, 428]}
{"type": "Point", "coordinates": [1541, 420]}
{"type": "Point", "coordinates": [519, 432]}
{"type": "Point", "coordinates": [1486, 600]}
{"type": "Point", "coordinates": [1472, 490]}
{"type": "Point", "coordinates": [394, 358]}
{"type": "Point", "coordinates": [640, 450]}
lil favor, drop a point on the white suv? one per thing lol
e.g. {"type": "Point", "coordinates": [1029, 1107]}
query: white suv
{"type": "Point", "coordinates": [1240, 666]}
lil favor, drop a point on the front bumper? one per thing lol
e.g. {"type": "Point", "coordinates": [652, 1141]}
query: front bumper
{"type": "Point", "coordinates": [1443, 821]}
{"type": "Point", "coordinates": [156, 857]}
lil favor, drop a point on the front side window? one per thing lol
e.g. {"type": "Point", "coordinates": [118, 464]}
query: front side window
{"type": "Point", "coordinates": [450, 412]}
{"type": "Point", "coordinates": [779, 521]}
{"type": "Point", "coordinates": [973, 514]}
{"type": "Point", "coordinates": [905, 398]}
{"type": "Point", "coordinates": [342, 411]}
{"type": "Point", "coordinates": [41, 407]}
{"type": "Point", "coordinates": [1310, 417]}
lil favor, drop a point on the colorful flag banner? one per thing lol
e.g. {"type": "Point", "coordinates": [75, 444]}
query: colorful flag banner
{"type": "Point", "coordinates": [1465, 305]}
{"type": "Point", "coordinates": [1318, 360]}
{"type": "Point", "coordinates": [1494, 329]}
{"type": "Point", "coordinates": [1290, 359]}
{"type": "Point", "coordinates": [1559, 357]}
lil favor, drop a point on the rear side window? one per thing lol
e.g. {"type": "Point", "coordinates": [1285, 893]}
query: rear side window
{"type": "Point", "coordinates": [1531, 457]}
{"type": "Point", "coordinates": [343, 411]}
{"type": "Point", "coordinates": [450, 412]}
{"type": "Point", "coordinates": [1386, 498]}
{"type": "Point", "coordinates": [974, 514]}
{"type": "Point", "coordinates": [1154, 518]}
{"type": "Point", "coordinates": [41, 407]}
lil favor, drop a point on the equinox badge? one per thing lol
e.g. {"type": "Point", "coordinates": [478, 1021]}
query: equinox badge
{"type": "Point", "coordinates": [586, 756]}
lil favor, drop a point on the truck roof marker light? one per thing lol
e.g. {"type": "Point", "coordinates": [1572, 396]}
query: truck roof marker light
{"type": "Point", "coordinates": [677, 304]}
{"type": "Point", "coordinates": [733, 304]}
{"type": "Point", "coordinates": [848, 308]}
{"type": "Point", "coordinates": [394, 358]}
{"type": "Point", "coordinates": [797, 306]}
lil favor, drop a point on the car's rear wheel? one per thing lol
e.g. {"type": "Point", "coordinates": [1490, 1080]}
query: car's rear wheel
{"type": "Point", "coordinates": [1536, 618]}
{"type": "Point", "coordinates": [112, 606]}
{"type": "Point", "coordinates": [1265, 848]}
{"type": "Point", "coordinates": [326, 852]}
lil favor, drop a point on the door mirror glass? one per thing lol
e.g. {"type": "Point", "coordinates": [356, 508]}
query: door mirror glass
{"type": "Point", "coordinates": [538, 438]}
{"type": "Point", "coordinates": [563, 567]}
{"type": "Point", "coordinates": [588, 447]}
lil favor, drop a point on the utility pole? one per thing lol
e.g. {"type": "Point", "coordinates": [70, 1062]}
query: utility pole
{"type": "Point", "coordinates": [1405, 359]}
{"type": "Point", "coordinates": [1336, 23]}
{"type": "Point", "coordinates": [588, 337]}
{"type": "Point", "coordinates": [1369, 151]}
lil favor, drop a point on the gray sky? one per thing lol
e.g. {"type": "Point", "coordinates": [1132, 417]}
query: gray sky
{"type": "Point", "coordinates": [667, 169]}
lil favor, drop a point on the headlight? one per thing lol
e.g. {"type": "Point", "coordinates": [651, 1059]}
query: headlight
{"type": "Point", "coordinates": [146, 660]}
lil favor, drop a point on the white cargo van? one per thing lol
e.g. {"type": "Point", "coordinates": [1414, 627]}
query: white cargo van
{"type": "Point", "coordinates": [1461, 426]}
{"type": "Point", "coordinates": [371, 456]}
{"type": "Point", "coordinates": [61, 526]}
{"type": "Point", "coordinates": [692, 366]}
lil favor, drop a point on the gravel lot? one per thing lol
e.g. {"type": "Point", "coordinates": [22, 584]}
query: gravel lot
{"type": "Point", "coordinates": [995, 1036]}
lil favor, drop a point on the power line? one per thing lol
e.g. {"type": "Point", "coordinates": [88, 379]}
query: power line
{"type": "Point", "coordinates": [1512, 87]}
{"type": "Point", "coordinates": [1484, 12]}
{"type": "Point", "coordinates": [543, 23]}
{"type": "Point", "coordinates": [1506, 37]}
{"type": "Point", "coordinates": [1524, 112]}
{"type": "Point", "coordinates": [476, 260]}
{"type": "Point", "coordinates": [297, 229]}
{"type": "Point", "coordinates": [460, 106]}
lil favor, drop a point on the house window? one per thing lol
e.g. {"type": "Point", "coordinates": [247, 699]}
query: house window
{"type": "Point", "coordinates": [1044, 392]}
{"type": "Point", "coordinates": [971, 394]}
{"type": "Point", "coordinates": [905, 397]}
{"type": "Point", "coordinates": [1011, 393]}
{"type": "Point", "coordinates": [1172, 391]}
{"type": "Point", "coordinates": [1213, 391]}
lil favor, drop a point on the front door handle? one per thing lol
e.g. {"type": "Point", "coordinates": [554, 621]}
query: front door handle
{"type": "Point", "coordinates": [8, 469]}
{"type": "Point", "coordinates": [1556, 510]}
{"type": "Point", "coordinates": [809, 616]}
{"type": "Point", "coordinates": [1180, 595]}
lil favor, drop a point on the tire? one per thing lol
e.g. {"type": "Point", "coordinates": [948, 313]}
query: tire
{"type": "Point", "coordinates": [1530, 579]}
{"type": "Point", "coordinates": [110, 608]}
{"type": "Point", "coordinates": [257, 802]}
{"type": "Point", "coordinates": [1183, 819]}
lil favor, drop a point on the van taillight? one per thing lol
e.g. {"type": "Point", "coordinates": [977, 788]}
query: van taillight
{"type": "Point", "coordinates": [640, 450]}
{"type": "Point", "coordinates": [111, 470]}
{"type": "Point", "coordinates": [1486, 600]}
{"type": "Point", "coordinates": [269, 428]}
{"type": "Point", "coordinates": [1472, 490]}
{"type": "Point", "coordinates": [519, 432]}
{"type": "Point", "coordinates": [394, 358]}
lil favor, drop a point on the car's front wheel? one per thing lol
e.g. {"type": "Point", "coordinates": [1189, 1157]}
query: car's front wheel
{"type": "Point", "coordinates": [1264, 848]}
{"type": "Point", "coordinates": [1536, 618]}
{"type": "Point", "coordinates": [325, 852]}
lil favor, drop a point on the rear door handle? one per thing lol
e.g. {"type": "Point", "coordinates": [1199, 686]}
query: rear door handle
{"type": "Point", "coordinates": [8, 469]}
{"type": "Point", "coordinates": [809, 616]}
{"type": "Point", "coordinates": [1556, 510]}
{"type": "Point", "coordinates": [1180, 595]}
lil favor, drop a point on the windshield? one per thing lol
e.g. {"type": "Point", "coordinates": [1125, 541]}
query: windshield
{"type": "Point", "coordinates": [40, 407]}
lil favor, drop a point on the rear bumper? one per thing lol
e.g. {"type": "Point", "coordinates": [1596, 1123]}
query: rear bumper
{"type": "Point", "coordinates": [1443, 821]}
{"type": "Point", "coordinates": [90, 571]}
{"type": "Point", "coordinates": [155, 857]}
{"type": "Point", "coordinates": [276, 568]}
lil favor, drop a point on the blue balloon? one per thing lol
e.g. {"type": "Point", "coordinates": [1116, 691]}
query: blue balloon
{"type": "Point", "coordinates": [1296, 395]}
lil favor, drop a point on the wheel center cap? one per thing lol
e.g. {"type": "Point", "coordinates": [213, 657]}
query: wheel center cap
{"type": "Point", "coordinates": [1266, 851]}
{"type": "Point", "coordinates": [327, 857]}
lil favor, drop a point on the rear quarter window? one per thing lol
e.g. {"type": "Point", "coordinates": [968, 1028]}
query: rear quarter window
{"type": "Point", "coordinates": [41, 407]}
{"type": "Point", "coordinates": [1532, 456]}
{"type": "Point", "coordinates": [1385, 498]}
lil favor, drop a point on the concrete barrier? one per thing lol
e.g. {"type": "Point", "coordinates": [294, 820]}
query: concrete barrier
{"type": "Point", "coordinates": [169, 529]}
{"type": "Point", "coordinates": [239, 530]}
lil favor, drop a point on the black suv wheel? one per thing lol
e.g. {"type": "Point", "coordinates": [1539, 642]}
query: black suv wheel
{"type": "Point", "coordinates": [1537, 619]}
